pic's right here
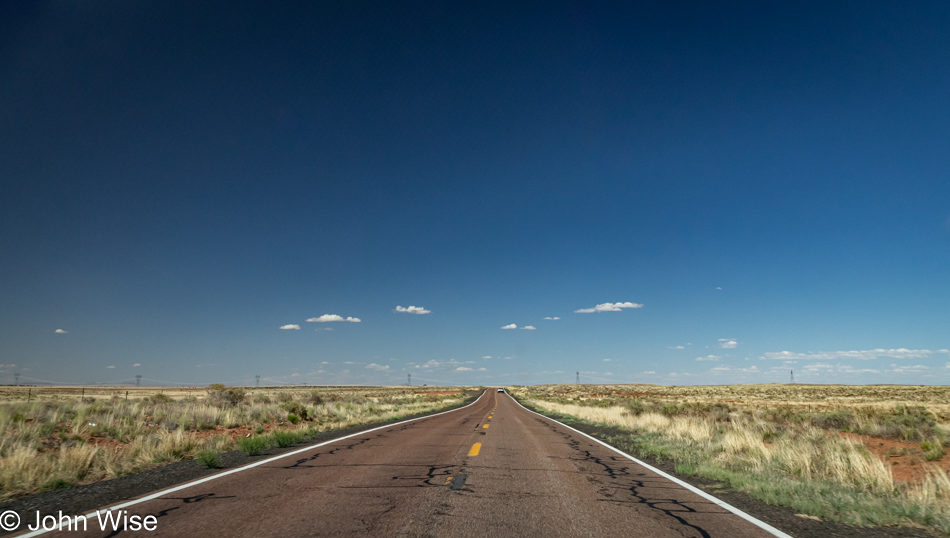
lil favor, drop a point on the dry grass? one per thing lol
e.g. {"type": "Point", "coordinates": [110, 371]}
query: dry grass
{"type": "Point", "coordinates": [781, 444]}
{"type": "Point", "coordinates": [57, 440]}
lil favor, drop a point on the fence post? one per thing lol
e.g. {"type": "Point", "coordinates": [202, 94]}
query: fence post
{"type": "Point", "coordinates": [29, 394]}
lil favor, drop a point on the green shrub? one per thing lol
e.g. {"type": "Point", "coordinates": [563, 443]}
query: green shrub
{"type": "Point", "coordinates": [293, 419]}
{"type": "Point", "coordinates": [226, 396]}
{"type": "Point", "coordinates": [209, 458]}
{"type": "Point", "coordinates": [315, 398]}
{"type": "Point", "coordinates": [295, 408]}
{"type": "Point", "coordinates": [254, 445]}
{"type": "Point", "coordinates": [283, 438]}
{"type": "Point", "coordinates": [933, 450]}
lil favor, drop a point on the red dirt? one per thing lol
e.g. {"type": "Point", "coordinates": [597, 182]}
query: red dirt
{"type": "Point", "coordinates": [906, 459]}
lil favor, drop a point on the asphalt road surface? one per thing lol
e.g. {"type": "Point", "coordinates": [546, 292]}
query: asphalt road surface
{"type": "Point", "coordinates": [490, 469]}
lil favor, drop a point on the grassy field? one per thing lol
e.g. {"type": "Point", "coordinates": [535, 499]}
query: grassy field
{"type": "Point", "coordinates": [862, 455]}
{"type": "Point", "coordinates": [63, 436]}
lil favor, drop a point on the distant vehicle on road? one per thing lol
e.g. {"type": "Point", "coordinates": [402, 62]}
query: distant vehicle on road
{"type": "Point", "coordinates": [501, 390]}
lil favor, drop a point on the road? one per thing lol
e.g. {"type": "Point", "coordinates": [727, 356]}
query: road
{"type": "Point", "coordinates": [492, 468]}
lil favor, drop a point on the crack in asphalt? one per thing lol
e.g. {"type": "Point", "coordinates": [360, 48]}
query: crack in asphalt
{"type": "Point", "coordinates": [299, 464]}
{"type": "Point", "coordinates": [624, 472]}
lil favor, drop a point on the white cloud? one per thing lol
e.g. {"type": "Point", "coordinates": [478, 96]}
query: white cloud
{"type": "Point", "coordinates": [136, 365]}
{"type": "Point", "coordinates": [649, 372]}
{"type": "Point", "coordinates": [374, 366]}
{"type": "Point", "coordinates": [608, 307]}
{"type": "Point", "coordinates": [325, 362]}
{"type": "Point", "coordinates": [869, 354]}
{"type": "Point", "coordinates": [709, 358]}
{"type": "Point", "coordinates": [728, 343]}
{"type": "Point", "coordinates": [60, 331]}
{"type": "Point", "coordinates": [606, 360]}
{"type": "Point", "coordinates": [916, 369]}
{"type": "Point", "coordinates": [463, 369]}
{"type": "Point", "coordinates": [943, 351]}
{"type": "Point", "coordinates": [290, 327]}
{"type": "Point", "coordinates": [718, 287]}
{"type": "Point", "coordinates": [413, 310]}
{"type": "Point", "coordinates": [677, 347]}
{"type": "Point", "coordinates": [724, 368]}
{"type": "Point", "coordinates": [294, 375]}
{"type": "Point", "coordinates": [511, 326]}
{"type": "Point", "coordinates": [554, 318]}
{"type": "Point", "coordinates": [529, 328]}
{"type": "Point", "coordinates": [482, 369]}
{"type": "Point", "coordinates": [487, 357]}
{"type": "Point", "coordinates": [107, 367]}
{"type": "Point", "coordinates": [333, 317]}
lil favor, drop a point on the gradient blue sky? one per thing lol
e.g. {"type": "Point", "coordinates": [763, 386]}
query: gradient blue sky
{"type": "Point", "coordinates": [180, 180]}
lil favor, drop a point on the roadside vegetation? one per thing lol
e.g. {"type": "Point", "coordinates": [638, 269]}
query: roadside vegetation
{"type": "Point", "coordinates": [864, 456]}
{"type": "Point", "coordinates": [65, 437]}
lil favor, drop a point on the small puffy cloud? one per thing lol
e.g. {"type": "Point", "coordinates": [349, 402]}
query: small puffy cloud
{"type": "Point", "coordinates": [107, 367]}
{"type": "Point", "coordinates": [487, 357]}
{"type": "Point", "coordinates": [554, 318]}
{"type": "Point", "coordinates": [295, 375]}
{"type": "Point", "coordinates": [348, 362]}
{"type": "Point", "coordinates": [677, 347]}
{"type": "Point", "coordinates": [728, 343]}
{"type": "Point", "coordinates": [136, 365]}
{"type": "Point", "coordinates": [60, 331]}
{"type": "Point", "coordinates": [333, 317]}
{"type": "Point", "coordinates": [290, 327]}
{"type": "Point", "coordinates": [718, 287]}
{"type": "Point", "coordinates": [649, 372]}
{"type": "Point", "coordinates": [374, 366]}
{"type": "Point", "coordinates": [606, 360]}
{"type": "Point", "coordinates": [529, 328]}
{"type": "Point", "coordinates": [709, 358]}
{"type": "Point", "coordinates": [413, 310]}
{"type": "Point", "coordinates": [943, 351]}
{"type": "Point", "coordinates": [608, 307]}
{"type": "Point", "coordinates": [511, 326]}
{"type": "Point", "coordinates": [463, 369]}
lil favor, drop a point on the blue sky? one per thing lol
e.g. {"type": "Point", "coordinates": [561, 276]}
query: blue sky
{"type": "Point", "coordinates": [760, 189]}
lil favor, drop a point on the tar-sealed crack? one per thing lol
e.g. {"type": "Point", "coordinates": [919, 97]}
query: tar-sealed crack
{"type": "Point", "coordinates": [622, 472]}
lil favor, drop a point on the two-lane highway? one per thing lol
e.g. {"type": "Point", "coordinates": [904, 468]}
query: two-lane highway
{"type": "Point", "coordinates": [492, 468]}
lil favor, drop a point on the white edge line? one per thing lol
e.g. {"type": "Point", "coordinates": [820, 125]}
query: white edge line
{"type": "Point", "coordinates": [163, 492]}
{"type": "Point", "coordinates": [761, 524]}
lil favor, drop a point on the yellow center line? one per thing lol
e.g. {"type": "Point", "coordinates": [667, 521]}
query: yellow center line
{"type": "Point", "coordinates": [485, 426]}
{"type": "Point", "coordinates": [475, 448]}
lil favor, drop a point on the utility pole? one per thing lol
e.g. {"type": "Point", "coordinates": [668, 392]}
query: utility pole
{"type": "Point", "coordinates": [577, 379]}
{"type": "Point", "coordinates": [792, 372]}
{"type": "Point", "coordinates": [16, 375]}
{"type": "Point", "coordinates": [138, 380]}
{"type": "Point", "coordinates": [258, 380]}
{"type": "Point", "coordinates": [410, 379]}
